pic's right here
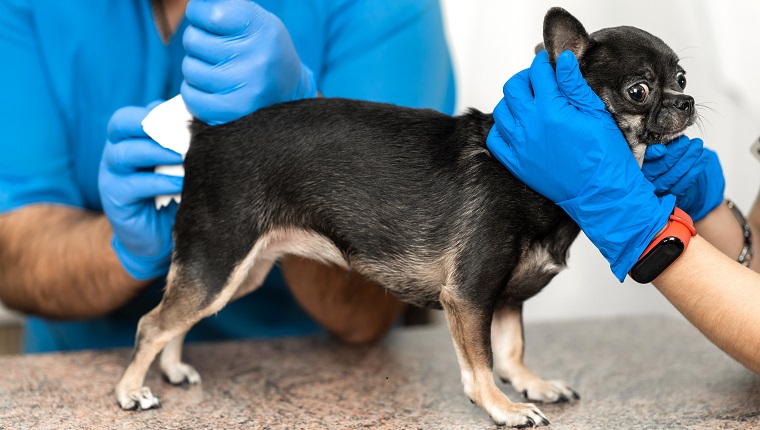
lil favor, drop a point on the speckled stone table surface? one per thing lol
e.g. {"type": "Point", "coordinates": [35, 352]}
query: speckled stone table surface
{"type": "Point", "coordinates": [632, 373]}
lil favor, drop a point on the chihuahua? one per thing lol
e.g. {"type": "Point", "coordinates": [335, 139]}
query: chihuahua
{"type": "Point", "coordinates": [410, 198]}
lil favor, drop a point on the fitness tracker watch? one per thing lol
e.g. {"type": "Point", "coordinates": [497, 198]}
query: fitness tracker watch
{"type": "Point", "coordinates": [665, 248]}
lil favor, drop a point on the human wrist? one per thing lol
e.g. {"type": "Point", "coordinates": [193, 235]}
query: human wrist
{"type": "Point", "coordinates": [142, 268]}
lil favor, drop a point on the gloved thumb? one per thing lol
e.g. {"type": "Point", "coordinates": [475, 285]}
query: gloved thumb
{"type": "Point", "coordinates": [656, 151]}
{"type": "Point", "coordinates": [125, 123]}
{"type": "Point", "coordinates": [572, 84]}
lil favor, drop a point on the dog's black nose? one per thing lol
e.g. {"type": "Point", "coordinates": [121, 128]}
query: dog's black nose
{"type": "Point", "coordinates": [685, 103]}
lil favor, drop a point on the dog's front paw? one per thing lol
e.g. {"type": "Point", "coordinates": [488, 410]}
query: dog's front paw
{"type": "Point", "coordinates": [181, 374]}
{"type": "Point", "coordinates": [137, 400]}
{"type": "Point", "coordinates": [519, 415]}
{"type": "Point", "coordinates": [555, 391]}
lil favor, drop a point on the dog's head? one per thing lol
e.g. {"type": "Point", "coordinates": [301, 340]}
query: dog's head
{"type": "Point", "coordinates": [635, 73]}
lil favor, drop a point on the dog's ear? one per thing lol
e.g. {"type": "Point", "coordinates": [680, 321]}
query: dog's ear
{"type": "Point", "coordinates": [562, 32]}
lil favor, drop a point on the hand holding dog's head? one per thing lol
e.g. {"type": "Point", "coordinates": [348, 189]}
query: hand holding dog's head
{"type": "Point", "coordinates": [635, 73]}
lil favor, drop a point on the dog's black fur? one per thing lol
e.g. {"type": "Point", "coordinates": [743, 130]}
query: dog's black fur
{"type": "Point", "coordinates": [380, 181]}
{"type": "Point", "coordinates": [410, 198]}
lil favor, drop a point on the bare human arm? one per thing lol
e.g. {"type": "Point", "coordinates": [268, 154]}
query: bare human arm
{"type": "Point", "coordinates": [719, 297]}
{"type": "Point", "coordinates": [57, 262]}
{"type": "Point", "coordinates": [346, 304]}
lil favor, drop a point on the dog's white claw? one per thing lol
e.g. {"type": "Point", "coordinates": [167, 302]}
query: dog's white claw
{"type": "Point", "coordinates": [520, 415]}
{"type": "Point", "coordinates": [140, 399]}
{"type": "Point", "coordinates": [147, 399]}
{"type": "Point", "coordinates": [181, 373]}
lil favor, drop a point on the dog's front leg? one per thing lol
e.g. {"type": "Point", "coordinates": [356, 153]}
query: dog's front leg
{"type": "Point", "coordinates": [507, 340]}
{"type": "Point", "coordinates": [470, 326]}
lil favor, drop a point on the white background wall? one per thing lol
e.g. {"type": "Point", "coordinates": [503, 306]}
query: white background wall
{"type": "Point", "coordinates": [718, 44]}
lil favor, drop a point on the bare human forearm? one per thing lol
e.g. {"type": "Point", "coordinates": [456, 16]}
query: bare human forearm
{"type": "Point", "coordinates": [346, 304]}
{"type": "Point", "coordinates": [719, 297]}
{"type": "Point", "coordinates": [57, 262]}
{"type": "Point", "coordinates": [721, 228]}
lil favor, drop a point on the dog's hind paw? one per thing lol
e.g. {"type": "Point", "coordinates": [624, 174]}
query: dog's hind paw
{"type": "Point", "coordinates": [137, 400]}
{"type": "Point", "coordinates": [181, 374]}
{"type": "Point", "coordinates": [548, 392]}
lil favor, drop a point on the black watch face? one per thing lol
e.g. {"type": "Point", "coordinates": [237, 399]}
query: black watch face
{"type": "Point", "coordinates": [657, 260]}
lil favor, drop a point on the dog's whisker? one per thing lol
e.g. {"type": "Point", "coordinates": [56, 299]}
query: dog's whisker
{"type": "Point", "coordinates": [710, 109]}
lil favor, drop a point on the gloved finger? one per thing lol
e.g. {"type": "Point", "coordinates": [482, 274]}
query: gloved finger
{"type": "Point", "coordinates": [125, 123]}
{"type": "Point", "coordinates": [498, 141]}
{"type": "Point", "coordinates": [217, 108]}
{"type": "Point", "coordinates": [144, 185]}
{"type": "Point", "coordinates": [673, 151]}
{"type": "Point", "coordinates": [226, 17]}
{"type": "Point", "coordinates": [681, 156]}
{"type": "Point", "coordinates": [211, 78]}
{"type": "Point", "coordinates": [682, 170]}
{"type": "Point", "coordinates": [654, 152]}
{"type": "Point", "coordinates": [666, 156]}
{"type": "Point", "coordinates": [208, 47]}
{"type": "Point", "coordinates": [129, 155]}
{"type": "Point", "coordinates": [707, 192]}
{"type": "Point", "coordinates": [518, 94]}
{"type": "Point", "coordinates": [572, 84]}
{"type": "Point", "coordinates": [543, 79]}
{"type": "Point", "coordinates": [688, 180]}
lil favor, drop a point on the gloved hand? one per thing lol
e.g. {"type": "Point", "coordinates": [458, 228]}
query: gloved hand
{"type": "Point", "coordinates": [555, 134]}
{"type": "Point", "coordinates": [240, 58]}
{"type": "Point", "coordinates": [141, 234]}
{"type": "Point", "coordinates": [687, 170]}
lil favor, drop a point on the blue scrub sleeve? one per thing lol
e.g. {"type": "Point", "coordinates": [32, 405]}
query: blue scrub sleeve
{"type": "Point", "coordinates": [35, 164]}
{"type": "Point", "coordinates": [389, 51]}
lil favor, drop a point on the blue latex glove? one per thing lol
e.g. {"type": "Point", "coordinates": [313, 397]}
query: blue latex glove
{"type": "Point", "coordinates": [555, 134]}
{"type": "Point", "coordinates": [141, 234]}
{"type": "Point", "coordinates": [240, 58]}
{"type": "Point", "coordinates": [687, 170]}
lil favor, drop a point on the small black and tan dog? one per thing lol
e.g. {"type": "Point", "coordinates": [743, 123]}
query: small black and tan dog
{"type": "Point", "coordinates": [410, 198]}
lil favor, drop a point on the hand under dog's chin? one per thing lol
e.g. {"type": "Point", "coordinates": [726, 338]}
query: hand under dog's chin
{"type": "Point", "coordinates": [662, 137]}
{"type": "Point", "coordinates": [641, 141]}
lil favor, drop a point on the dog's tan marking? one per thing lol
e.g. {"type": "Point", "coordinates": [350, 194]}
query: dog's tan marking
{"type": "Point", "coordinates": [181, 308]}
{"type": "Point", "coordinates": [535, 260]}
{"type": "Point", "coordinates": [175, 371]}
{"type": "Point", "coordinates": [466, 325]}
{"type": "Point", "coordinates": [171, 318]}
{"type": "Point", "coordinates": [507, 345]}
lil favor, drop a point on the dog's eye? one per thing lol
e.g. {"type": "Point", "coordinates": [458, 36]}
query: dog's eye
{"type": "Point", "coordinates": [638, 93]}
{"type": "Point", "coordinates": [681, 78]}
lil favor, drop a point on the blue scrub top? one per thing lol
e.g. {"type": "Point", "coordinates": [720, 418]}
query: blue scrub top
{"type": "Point", "coordinates": [66, 69]}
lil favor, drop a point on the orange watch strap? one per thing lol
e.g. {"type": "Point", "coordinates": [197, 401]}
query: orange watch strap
{"type": "Point", "coordinates": [679, 225]}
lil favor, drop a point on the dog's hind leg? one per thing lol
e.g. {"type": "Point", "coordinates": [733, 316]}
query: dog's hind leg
{"type": "Point", "coordinates": [177, 372]}
{"type": "Point", "coordinates": [508, 341]}
{"type": "Point", "coordinates": [188, 299]}
{"type": "Point", "coordinates": [470, 326]}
